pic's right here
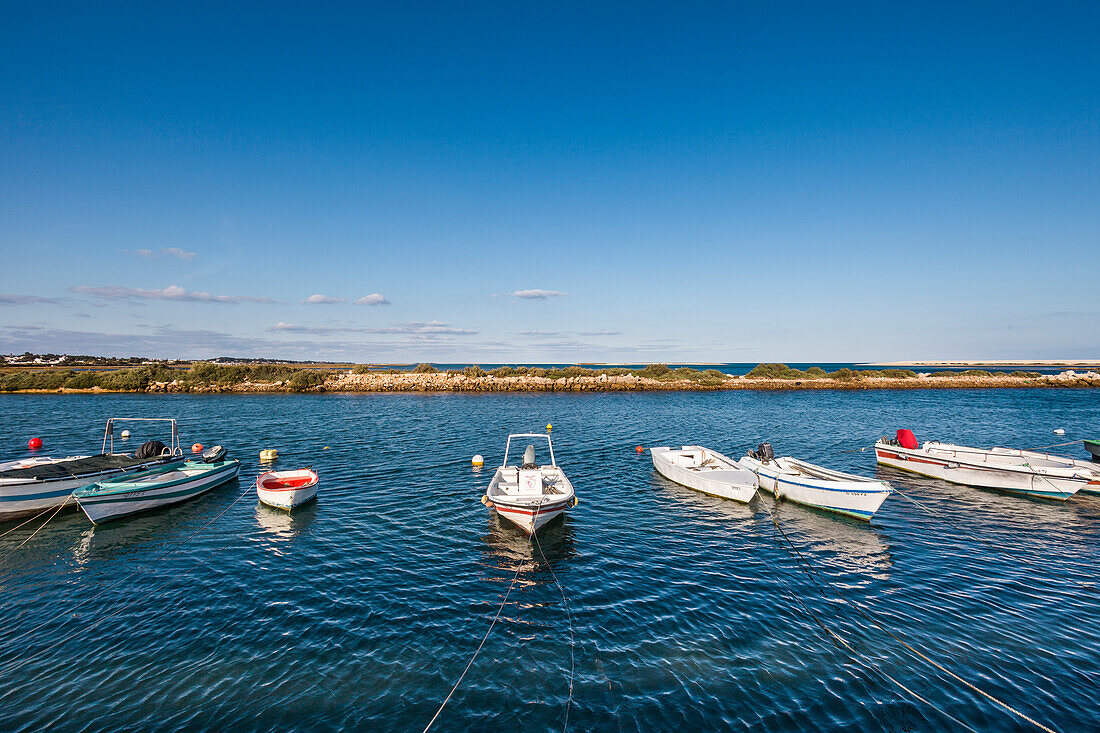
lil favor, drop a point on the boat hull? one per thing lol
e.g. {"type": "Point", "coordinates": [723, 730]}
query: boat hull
{"type": "Point", "coordinates": [857, 498]}
{"type": "Point", "coordinates": [25, 498]}
{"type": "Point", "coordinates": [104, 507]}
{"type": "Point", "coordinates": [735, 483]}
{"type": "Point", "coordinates": [527, 517]}
{"type": "Point", "coordinates": [939, 465]}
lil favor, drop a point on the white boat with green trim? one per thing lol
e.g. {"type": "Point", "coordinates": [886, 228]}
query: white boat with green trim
{"type": "Point", "coordinates": [154, 488]}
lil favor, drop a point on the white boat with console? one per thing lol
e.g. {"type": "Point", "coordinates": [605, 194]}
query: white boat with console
{"type": "Point", "coordinates": [705, 470]}
{"type": "Point", "coordinates": [529, 495]}
{"type": "Point", "coordinates": [32, 485]}
{"type": "Point", "coordinates": [823, 488]}
{"type": "Point", "coordinates": [1016, 471]}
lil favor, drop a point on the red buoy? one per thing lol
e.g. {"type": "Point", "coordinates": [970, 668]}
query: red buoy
{"type": "Point", "coordinates": [196, 448]}
{"type": "Point", "coordinates": [639, 449]}
{"type": "Point", "coordinates": [34, 443]}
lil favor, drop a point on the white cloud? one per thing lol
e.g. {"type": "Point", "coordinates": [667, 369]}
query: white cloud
{"type": "Point", "coordinates": [318, 299]}
{"type": "Point", "coordinates": [177, 252]}
{"type": "Point", "coordinates": [10, 299]}
{"type": "Point", "coordinates": [416, 329]}
{"type": "Point", "coordinates": [164, 252]}
{"type": "Point", "coordinates": [172, 292]}
{"type": "Point", "coordinates": [536, 294]}
{"type": "Point", "coordinates": [373, 299]}
{"type": "Point", "coordinates": [604, 332]}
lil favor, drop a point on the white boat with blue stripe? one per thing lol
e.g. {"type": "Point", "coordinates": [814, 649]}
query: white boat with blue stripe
{"type": "Point", "coordinates": [155, 487]}
{"type": "Point", "coordinates": [822, 488]}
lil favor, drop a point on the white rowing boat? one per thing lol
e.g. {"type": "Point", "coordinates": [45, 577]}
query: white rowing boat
{"type": "Point", "coordinates": [153, 488]}
{"type": "Point", "coordinates": [1020, 472]}
{"type": "Point", "coordinates": [823, 488]}
{"type": "Point", "coordinates": [529, 495]}
{"type": "Point", "coordinates": [705, 470]}
{"type": "Point", "coordinates": [287, 489]}
{"type": "Point", "coordinates": [32, 485]}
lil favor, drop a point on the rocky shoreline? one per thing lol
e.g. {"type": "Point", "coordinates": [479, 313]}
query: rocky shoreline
{"type": "Point", "coordinates": [349, 382]}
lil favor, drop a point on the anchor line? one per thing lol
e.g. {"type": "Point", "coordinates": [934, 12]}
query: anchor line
{"type": "Point", "coordinates": [118, 582]}
{"type": "Point", "coordinates": [859, 609]}
{"type": "Point", "coordinates": [515, 577]}
{"type": "Point", "coordinates": [36, 516]}
{"type": "Point", "coordinates": [867, 662]}
{"type": "Point", "coordinates": [55, 511]}
{"type": "Point", "coordinates": [572, 638]}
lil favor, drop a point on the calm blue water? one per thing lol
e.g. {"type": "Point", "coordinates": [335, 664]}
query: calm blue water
{"type": "Point", "coordinates": [362, 610]}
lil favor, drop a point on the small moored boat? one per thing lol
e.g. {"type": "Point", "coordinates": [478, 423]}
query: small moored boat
{"type": "Point", "coordinates": [1093, 447]}
{"type": "Point", "coordinates": [529, 495]}
{"type": "Point", "coordinates": [705, 470]}
{"type": "Point", "coordinates": [287, 489]}
{"type": "Point", "coordinates": [823, 488]}
{"type": "Point", "coordinates": [153, 488]}
{"type": "Point", "coordinates": [32, 485]}
{"type": "Point", "coordinates": [1020, 472]}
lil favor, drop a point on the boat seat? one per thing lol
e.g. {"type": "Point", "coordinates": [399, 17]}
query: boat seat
{"type": "Point", "coordinates": [530, 482]}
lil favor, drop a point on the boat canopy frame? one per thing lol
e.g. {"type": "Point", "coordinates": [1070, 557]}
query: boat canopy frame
{"type": "Point", "coordinates": [109, 432]}
{"type": "Point", "coordinates": [508, 446]}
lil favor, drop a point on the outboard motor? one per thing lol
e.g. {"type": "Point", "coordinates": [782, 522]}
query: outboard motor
{"type": "Point", "coordinates": [529, 458]}
{"type": "Point", "coordinates": [152, 449]}
{"type": "Point", "coordinates": [763, 453]}
{"type": "Point", "coordinates": [213, 454]}
{"type": "Point", "coordinates": [906, 439]}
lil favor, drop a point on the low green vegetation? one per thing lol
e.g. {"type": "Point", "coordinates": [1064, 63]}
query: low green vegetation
{"type": "Point", "coordinates": [782, 371]}
{"type": "Point", "coordinates": [425, 369]}
{"type": "Point", "coordinates": [201, 374]}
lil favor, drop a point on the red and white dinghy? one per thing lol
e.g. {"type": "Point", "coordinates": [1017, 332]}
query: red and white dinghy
{"type": "Point", "coordinates": [529, 495]}
{"type": "Point", "coordinates": [287, 489]}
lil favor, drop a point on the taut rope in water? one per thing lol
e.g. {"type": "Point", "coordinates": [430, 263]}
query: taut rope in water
{"type": "Point", "coordinates": [36, 516]}
{"type": "Point", "coordinates": [859, 608]}
{"type": "Point", "coordinates": [859, 656]}
{"type": "Point", "coordinates": [118, 582]}
{"type": "Point", "coordinates": [477, 651]}
{"type": "Point", "coordinates": [55, 511]}
{"type": "Point", "coordinates": [569, 617]}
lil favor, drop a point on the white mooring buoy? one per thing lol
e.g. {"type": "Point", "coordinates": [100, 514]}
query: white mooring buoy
{"type": "Point", "coordinates": [125, 433]}
{"type": "Point", "coordinates": [1059, 431]}
{"type": "Point", "coordinates": [477, 460]}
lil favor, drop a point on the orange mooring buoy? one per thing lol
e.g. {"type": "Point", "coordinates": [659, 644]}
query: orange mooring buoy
{"type": "Point", "coordinates": [639, 449]}
{"type": "Point", "coordinates": [196, 448]}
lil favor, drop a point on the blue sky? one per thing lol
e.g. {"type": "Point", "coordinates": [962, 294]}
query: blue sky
{"type": "Point", "coordinates": [575, 182]}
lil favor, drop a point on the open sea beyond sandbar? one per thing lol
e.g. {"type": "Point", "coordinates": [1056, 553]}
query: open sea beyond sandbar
{"type": "Point", "coordinates": [361, 610]}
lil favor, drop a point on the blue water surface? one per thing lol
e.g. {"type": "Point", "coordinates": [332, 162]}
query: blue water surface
{"type": "Point", "coordinates": [684, 611]}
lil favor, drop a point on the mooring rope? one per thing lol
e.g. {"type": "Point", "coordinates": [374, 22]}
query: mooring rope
{"type": "Point", "coordinates": [861, 657]}
{"type": "Point", "coordinates": [55, 511]}
{"type": "Point", "coordinates": [1057, 445]}
{"type": "Point", "coordinates": [36, 516]}
{"type": "Point", "coordinates": [572, 639]}
{"type": "Point", "coordinates": [118, 582]}
{"type": "Point", "coordinates": [858, 607]}
{"type": "Point", "coordinates": [500, 609]}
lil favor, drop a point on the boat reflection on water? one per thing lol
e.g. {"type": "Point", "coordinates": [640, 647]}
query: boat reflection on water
{"type": "Point", "coordinates": [835, 542]}
{"type": "Point", "coordinates": [506, 547]}
{"type": "Point", "coordinates": [281, 525]}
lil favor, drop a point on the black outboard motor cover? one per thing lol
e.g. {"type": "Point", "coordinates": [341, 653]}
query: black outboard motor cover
{"type": "Point", "coordinates": [152, 449]}
{"type": "Point", "coordinates": [763, 452]}
{"type": "Point", "coordinates": [213, 454]}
